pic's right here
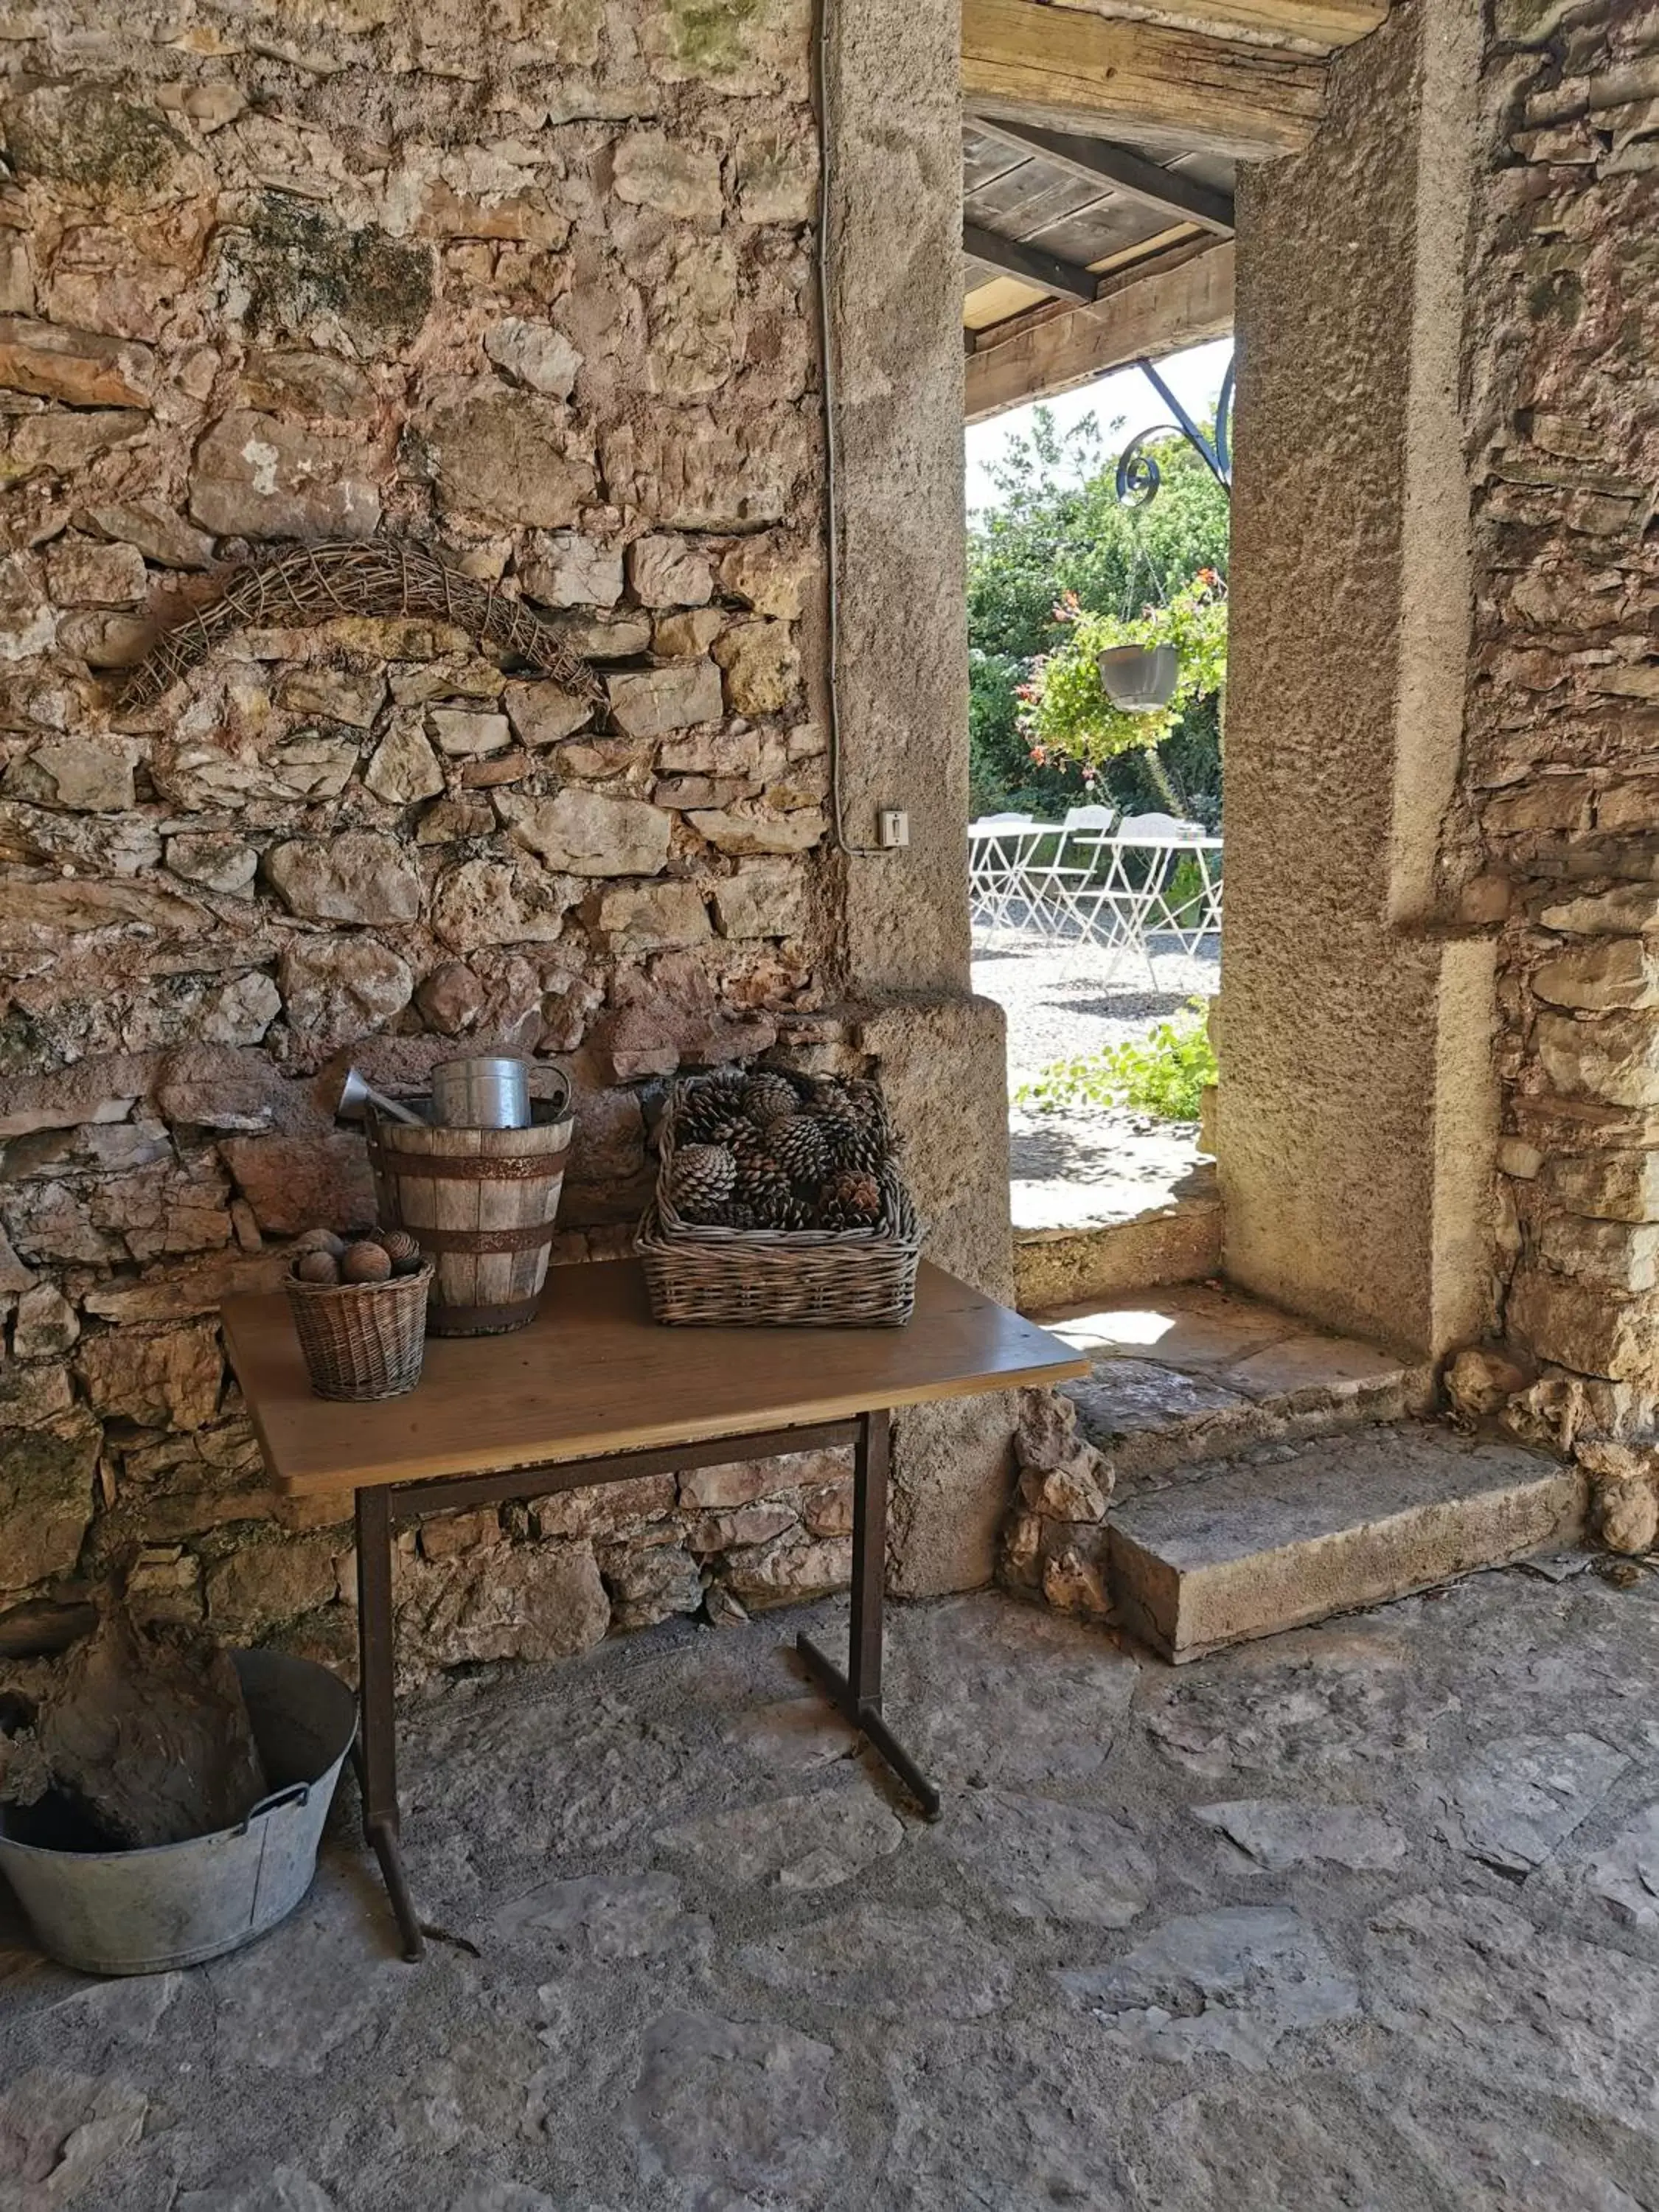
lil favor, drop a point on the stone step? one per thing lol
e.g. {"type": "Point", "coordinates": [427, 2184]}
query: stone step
{"type": "Point", "coordinates": [1175, 1238]}
{"type": "Point", "coordinates": [1294, 1533]}
{"type": "Point", "coordinates": [1196, 1372]}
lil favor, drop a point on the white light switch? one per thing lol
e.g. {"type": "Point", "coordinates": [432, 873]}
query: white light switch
{"type": "Point", "coordinates": [892, 828]}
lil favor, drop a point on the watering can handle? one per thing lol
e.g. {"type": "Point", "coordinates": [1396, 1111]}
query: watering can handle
{"type": "Point", "coordinates": [297, 1793]}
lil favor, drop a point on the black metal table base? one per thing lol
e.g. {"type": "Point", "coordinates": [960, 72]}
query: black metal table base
{"type": "Point", "coordinates": [856, 1694]}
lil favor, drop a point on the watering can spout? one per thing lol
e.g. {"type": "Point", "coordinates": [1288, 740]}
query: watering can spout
{"type": "Point", "coordinates": [356, 1095]}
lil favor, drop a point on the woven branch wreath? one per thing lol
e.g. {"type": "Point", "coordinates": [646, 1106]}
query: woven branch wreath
{"type": "Point", "coordinates": [317, 583]}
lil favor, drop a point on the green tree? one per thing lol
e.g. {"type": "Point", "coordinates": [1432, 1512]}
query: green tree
{"type": "Point", "coordinates": [1057, 539]}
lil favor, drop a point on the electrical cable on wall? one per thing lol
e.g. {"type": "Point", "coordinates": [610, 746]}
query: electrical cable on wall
{"type": "Point", "coordinates": [832, 512]}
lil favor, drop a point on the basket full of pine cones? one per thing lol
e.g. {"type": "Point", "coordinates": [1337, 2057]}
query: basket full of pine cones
{"type": "Point", "coordinates": [779, 1203]}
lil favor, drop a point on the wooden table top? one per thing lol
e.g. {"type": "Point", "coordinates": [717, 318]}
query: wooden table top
{"type": "Point", "coordinates": [593, 1374]}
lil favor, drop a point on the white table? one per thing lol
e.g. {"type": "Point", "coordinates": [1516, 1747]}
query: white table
{"type": "Point", "coordinates": [1098, 887]}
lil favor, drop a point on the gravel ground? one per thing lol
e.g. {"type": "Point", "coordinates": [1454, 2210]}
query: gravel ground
{"type": "Point", "coordinates": [1089, 1165]}
{"type": "Point", "coordinates": [1069, 999]}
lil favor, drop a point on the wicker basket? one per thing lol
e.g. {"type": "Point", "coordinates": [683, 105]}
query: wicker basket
{"type": "Point", "coordinates": [699, 1275]}
{"type": "Point", "coordinates": [363, 1340]}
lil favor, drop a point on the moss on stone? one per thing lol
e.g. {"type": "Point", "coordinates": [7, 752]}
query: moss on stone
{"type": "Point", "coordinates": [299, 264]}
{"type": "Point", "coordinates": [87, 135]}
{"type": "Point", "coordinates": [708, 35]}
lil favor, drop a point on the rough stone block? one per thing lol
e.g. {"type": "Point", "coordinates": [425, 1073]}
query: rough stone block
{"type": "Point", "coordinates": [161, 1378]}
{"type": "Point", "coordinates": [1345, 1522]}
{"type": "Point", "coordinates": [647, 702]}
{"type": "Point", "coordinates": [463, 735]}
{"type": "Point", "coordinates": [534, 354]}
{"type": "Point", "coordinates": [761, 665]}
{"type": "Point", "coordinates": [688, 470]}
{"type": "Point", "coordinates": [45, 1498]}
{"type": "Point", "coordinates": [651, 916]}
{"type": "Point", "coordinates": [255, 476]}
{"type": "Point", "coordinates": [563, 568]}
{"type": "Point", "coordinates": [1609, 972]}
{"type": "Point", "coordinates": [1606, 1185]}
{"type": "Point", "coordinates": [1582, 1327]}
{"type": "Point", "coordinates": [588, 833]}
{"type": "Point", "coordinates": [667, 572]}
{"type": "Point", "coordinates": [63, 443]}
{"type": "Point", "coordinates": [1614, 1057]}
{"type": "Point", "coordinates": [82, 573]}
{"type": "Point", "coordinates": [151, 528]}
{"type": "Point", "coordinates": [736, 830]}
{"type": "Point", "coordinates": [481, 902]}
{"type": "Point", "coordinates": [89, 775]}
{"type": "Point", "coordinates": [310, 274]}
{"type": "Point", "coordinates": [337, 989]}
{"type": "Point", "coordinates": [650, 169]}
{"type": "Point", "coordinates": [543, 714]}
{"type": "Point", "coordinates": [769, 574]}
{"type": "Point", "coordinates": [296, 1183]}
{"type": "Point", "coordinates": [403, 766]}
{"type": "Point", "coordinates": [340, 694]}
{"type": "Point", "coordinates": [511, 458]}
{"type": "Point", "coordinates": [81, 367]}
{"type": "Point", "coordinates": [764, 898]}
{"type": "Point", "coordinates": [214, 858]}
{"type": "Point", "coordinates": [777, 178]}
{"type": "Point", "coordinates": [359, 877]}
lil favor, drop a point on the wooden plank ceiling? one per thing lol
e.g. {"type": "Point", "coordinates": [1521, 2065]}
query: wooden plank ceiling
{"type": "Point", "coordinates": [1100, 151]}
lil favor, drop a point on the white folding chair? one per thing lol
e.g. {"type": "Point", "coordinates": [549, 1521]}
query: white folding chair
{"type": "Point", "coordinates": [997, 846]}
{"type": "Point", "coordinates": [1076, 856]}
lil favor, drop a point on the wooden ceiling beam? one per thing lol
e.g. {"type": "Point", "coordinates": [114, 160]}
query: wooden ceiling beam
{"type": "Point", "coordinates": [1139, 316]}
{"type": "Point", "coordinates": [1096, 161]}
{"type": "Point", "coordinates": [1320, 25]}
{"type": "Point", "coordinates": [1029, 263]}
{"type": "Point", "coordinates": [1062, 68]}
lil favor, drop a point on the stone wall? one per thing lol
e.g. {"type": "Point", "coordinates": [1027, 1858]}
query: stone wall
{"type": "Point", "coordinates": [1355, 1112]}
{"type": "Point", "coordinates": [529, 284]}
{"type": "Point", "coordinates": [1557, 834]}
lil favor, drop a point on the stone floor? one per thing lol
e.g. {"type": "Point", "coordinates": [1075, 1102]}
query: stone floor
{"type": "Point", "coordinates": [1363, 1917]}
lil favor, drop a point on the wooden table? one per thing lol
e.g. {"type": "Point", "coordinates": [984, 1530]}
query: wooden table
{"type": "Point", "coordinates": [593, 1391]}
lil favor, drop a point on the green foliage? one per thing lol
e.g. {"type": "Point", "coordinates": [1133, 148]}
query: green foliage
{"type": "Point", "coordinates": [1163, 1074]}
{"type": "Point", "coordinates": [1068, 713]}
{"type": "Point", "coordinates": [1057, 541]}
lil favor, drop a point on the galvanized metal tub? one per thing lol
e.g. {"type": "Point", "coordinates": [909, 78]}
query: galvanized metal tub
{"type": "Point", "coordinates": [145, 1911]}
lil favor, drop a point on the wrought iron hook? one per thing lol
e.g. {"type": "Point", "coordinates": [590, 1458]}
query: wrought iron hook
{"type": "Point", "coordinates": [1139, 477]}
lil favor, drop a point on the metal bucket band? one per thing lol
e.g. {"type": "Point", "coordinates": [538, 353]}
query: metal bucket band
{"type": "Point", "coordinates": [476, 1167]}
{"type": "Point", "coordinates": [525, 1238]}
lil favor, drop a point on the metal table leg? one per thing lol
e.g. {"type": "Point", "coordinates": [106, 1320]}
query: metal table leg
{"type": "Point", "coordinates": [856, 1695]}
{"type": "Point", "coordinates": [377, 1749]}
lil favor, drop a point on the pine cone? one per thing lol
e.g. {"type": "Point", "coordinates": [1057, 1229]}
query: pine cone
{"type": "Point", "coordinates": [761, 1183]}
{"type": "Point", "coordinates": [768, 1097]}
{"type": "Point", "coordinates": [851, 1200]}
{"type": "Point", "coordinates": [706, 1108]}
{"type": "Point", "coordinates": [801, 1149]}
{"type": "Point", "coordinates": [854, 1142]}
{"type": "Point", "coordinates": [701, 1179]}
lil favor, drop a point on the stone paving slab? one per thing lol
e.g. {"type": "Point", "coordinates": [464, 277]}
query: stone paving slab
{"type": "Point", "coordinates": [1356, 1917]}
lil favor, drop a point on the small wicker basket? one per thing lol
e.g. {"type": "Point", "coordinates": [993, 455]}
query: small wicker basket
{"type": "Point", "coordinates": [363, 1340]}
{"type": "Point", "coordinates": [700, 1275]}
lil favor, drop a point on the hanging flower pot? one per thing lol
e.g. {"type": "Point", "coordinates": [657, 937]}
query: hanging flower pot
{"type": "Point", "coordinates": [1140, 678]}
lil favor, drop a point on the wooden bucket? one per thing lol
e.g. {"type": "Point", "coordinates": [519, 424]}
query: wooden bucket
{"type": "Point", "coordinates": [481, 1204]}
